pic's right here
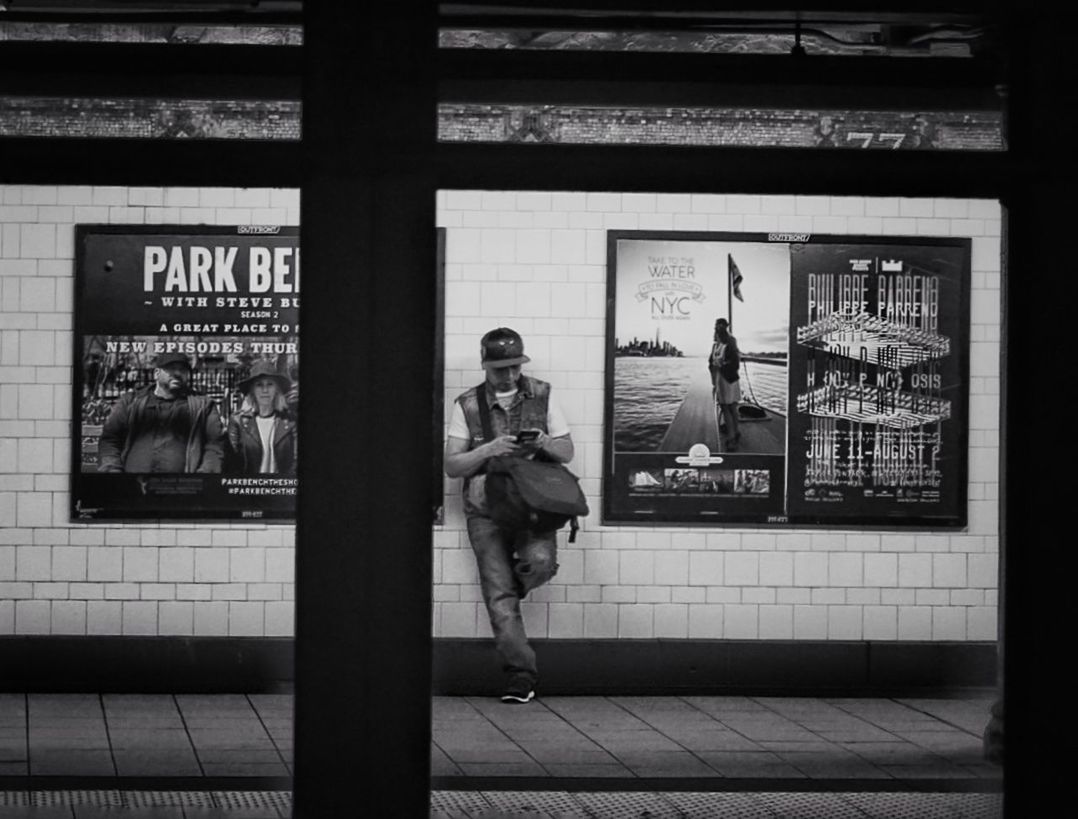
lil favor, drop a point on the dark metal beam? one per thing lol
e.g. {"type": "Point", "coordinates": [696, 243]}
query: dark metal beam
{"type": "Point", "coordinates": [123, 69]}
{"type": "Point", "coordinates": [837, 172]}
{"type": "Point", "coordinates": [846, 11]}
{"type": "Point", "coordinates": [143, 162]}
{"type": "Point", "coordinates": [740, 69]}
{"type": "Point", "coordinates": [699, 94]}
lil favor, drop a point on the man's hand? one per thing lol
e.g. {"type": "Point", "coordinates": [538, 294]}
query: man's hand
{"type": "Point", "coordinates": [502, 445]}
{"type": "Point", "coordinates": [532, 443]}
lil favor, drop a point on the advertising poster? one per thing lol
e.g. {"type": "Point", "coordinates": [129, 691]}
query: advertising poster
{"type": "Point", "coordinates": [186, 376]}
{"type": "Point", "coordinates": [878, 374]}
{"type": "Point", "coordinates": [731, 369]}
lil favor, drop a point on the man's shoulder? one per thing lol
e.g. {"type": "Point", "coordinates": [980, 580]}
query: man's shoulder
{"type": "Point", "coordinates": [536, 386]}
{"type": "Point", "coordinates": [134, 394]}
{"type": "Point", "coordinates": [200, 399]}
{"type": "Point", "coordinates": [468, 394]}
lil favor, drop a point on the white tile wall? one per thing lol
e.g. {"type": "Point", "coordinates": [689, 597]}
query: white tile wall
{"type": "Point", "coordinates": [536, 261]}
{"type": "Point", "coordinates": [139, 579]}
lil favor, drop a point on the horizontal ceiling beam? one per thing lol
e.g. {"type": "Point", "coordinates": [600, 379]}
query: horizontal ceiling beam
{"type": "Point", "coordinates": [846, 11]}
{"type": "Point", "coordinates": [143, 162]}
{"type": "Point", "coordinates": [129, 69]}
{"type": "Point", "coordinates": [698, 94]}
{"type": "Point", "coordinates": [838, 172]}
{"type": "Point", "coordinates": [725, 170]}
{"type": "Point", "coordinates": [741, 69]}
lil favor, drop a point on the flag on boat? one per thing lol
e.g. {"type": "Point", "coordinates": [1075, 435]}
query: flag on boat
{"type": "Point", "coordinates": [735, 276]}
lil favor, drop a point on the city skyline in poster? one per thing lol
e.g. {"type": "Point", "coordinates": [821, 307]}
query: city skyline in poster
{"type": "Point", "coordinates": [225, 299]}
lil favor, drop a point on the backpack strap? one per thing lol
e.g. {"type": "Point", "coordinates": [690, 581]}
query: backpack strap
{"type": "Point", "coordinates": [484, 412]}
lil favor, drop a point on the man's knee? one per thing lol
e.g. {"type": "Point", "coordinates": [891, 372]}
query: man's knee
{"type": "Point", "coordinates": [536, 569]}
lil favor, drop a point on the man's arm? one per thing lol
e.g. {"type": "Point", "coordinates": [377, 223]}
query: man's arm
{"type": "Point", "coordinates": [113, 436]}
{"type": "Point", "coordinates": [462, 462]}
{"type": "Point", "coordinates": [212, 443]}
{"type": "Point", "coordinates": [558, 449]}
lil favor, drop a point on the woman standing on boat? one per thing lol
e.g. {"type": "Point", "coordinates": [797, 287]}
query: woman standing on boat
{"type": "Point", "coordinates": [724, 362]}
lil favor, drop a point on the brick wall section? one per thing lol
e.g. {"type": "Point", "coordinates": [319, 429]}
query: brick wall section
{"type": "Point", "coordinates": [888, 130]}
{"type": "Point", "coordinates": [148, 578]}
{"type": "Point", "coordinates": [280, 120]}
{"type": "Point", "coordinates": [150, 118]}
{"type": "Point", "coordinates": [537, 262]}
{"type": "Point", "coordinates": [150, 33]}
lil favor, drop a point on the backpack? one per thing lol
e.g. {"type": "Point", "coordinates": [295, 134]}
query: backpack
{"type": "Point", "coordinates": [536, 495]}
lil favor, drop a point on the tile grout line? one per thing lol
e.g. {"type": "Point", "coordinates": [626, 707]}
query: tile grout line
{"type": "Point", "coordinates": [269, 736]}
{"type": "Point", "coordinates": [26, 720]}
{"type": "Point", "coordinates": [833, 743]}
{"type": "Point", "coordinates": [190, 739]}
{"type": "Point", "coordinates": [663, 734]}
{"type": "Point", "coordinates": [750, 739]}
{"type": "Point", "coordinates": [108, 733]}
{"type": "Point", "coordinates": [939, 719]}
{"type": "Point", "coordinates": [945, 722]}
{"type": "Point", "coordinates": [447, 755]}
{"type": "Point", "coordinates": [595, 742]}
{"type": "Point", "coordinates": [502, 731]}
{"type": "Point", "coordinates": [884, 774]}
{"type": "Point", "coordinates": [898, 738]}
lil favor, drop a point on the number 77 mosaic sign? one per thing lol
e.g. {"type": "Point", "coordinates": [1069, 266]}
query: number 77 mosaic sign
{"type": "Point", "coordinates": [786, 379]}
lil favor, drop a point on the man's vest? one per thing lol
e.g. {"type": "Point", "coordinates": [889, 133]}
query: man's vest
{"type": "Point", "coordinates": [528, 411]}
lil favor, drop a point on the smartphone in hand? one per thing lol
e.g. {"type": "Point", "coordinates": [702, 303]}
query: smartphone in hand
{"type": "Point", "coordinates": [527, 436]}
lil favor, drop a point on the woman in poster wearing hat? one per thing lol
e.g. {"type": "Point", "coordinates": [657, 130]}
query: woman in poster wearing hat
{"type": "Point", "coordinates": [262, 435]}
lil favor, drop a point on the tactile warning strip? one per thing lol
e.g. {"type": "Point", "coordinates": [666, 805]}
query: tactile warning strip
{"type": "Point", "coordinates": [121, 801]}
{"type": "Point", "coordinates": [721, 805]}
{"type": "Point", "coordinates": [560, 804]}
{"type": "Point", "coordinates": [247, 800]}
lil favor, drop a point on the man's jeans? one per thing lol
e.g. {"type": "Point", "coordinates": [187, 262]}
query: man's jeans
{"type": "Point", "coordinates": [510, 565]}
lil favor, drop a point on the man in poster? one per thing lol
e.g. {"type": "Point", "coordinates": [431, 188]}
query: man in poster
{"type": "Point", "coordinates": [163, 427]}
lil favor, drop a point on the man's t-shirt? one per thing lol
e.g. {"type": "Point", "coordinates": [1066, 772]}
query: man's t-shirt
{"type": "Point", "coordinates": [556, 424]}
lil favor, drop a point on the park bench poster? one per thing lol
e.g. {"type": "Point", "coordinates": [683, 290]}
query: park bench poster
{"type": "Point", "coordinates": [853, 379]}
{"type": "Point", "coordinates": [226, 298]}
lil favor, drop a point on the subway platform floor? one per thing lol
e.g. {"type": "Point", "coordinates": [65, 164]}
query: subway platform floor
{"type": "Point", "coordinates": [230, 755]}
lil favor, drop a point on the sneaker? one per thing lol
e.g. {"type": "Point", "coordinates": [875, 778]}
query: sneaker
{"type": "Point", "coordinates": [519, 690]}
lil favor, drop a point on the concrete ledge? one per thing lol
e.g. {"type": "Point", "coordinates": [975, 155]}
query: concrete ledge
{"type": "Point", "coordinates": [730, 667]}
{"type": "Point", "coordinates": [146, 664]}
{"type": "Point", "coordinates": [470, 666]}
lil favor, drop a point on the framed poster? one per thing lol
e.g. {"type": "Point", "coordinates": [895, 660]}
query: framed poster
{"type": "Point", "coordinates": [787, 379]}
{"type": "Point", "coordinates": [186, 372]}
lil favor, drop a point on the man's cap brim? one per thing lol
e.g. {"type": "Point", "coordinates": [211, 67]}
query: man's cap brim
{"type": "Point", "coordinates": [505, 362]}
